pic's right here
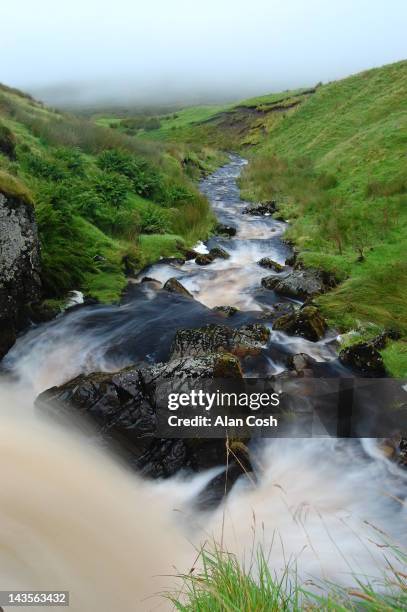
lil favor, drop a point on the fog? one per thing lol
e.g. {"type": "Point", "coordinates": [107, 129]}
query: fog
{"type": "Point", "coordinates": [178, 50]}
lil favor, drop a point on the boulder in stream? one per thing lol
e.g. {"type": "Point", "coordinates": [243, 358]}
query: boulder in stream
{"type": "Point", "coordinates": [299, 284]}
{"type": "Point", "coordinates": [276, 310]}
{"type": "Point", "coordinates": [124, 409]}
{"type": "Point", "coordinates": [218, 252]}
{"type": "Point", "coordinates": [187, 253]}
{"type": "Point", "coordinates": [174, 286]}
{"type": "Point", "coordinates": [262, 208]}
{"type": "Point", "coordinates": [306, 322]}
{"type": "Point", "coordinates": [267, 262]}
{"type": "Point", "coordinates": [225, 230]}
{"type": "Point", "coordinates": [204, 259]}
{"type": "Point", "coordinates": [226, 311]}
{"type": "Point", "coordinates": [301, 364]}
{"type": "Point", "coordinates": [242, 341]}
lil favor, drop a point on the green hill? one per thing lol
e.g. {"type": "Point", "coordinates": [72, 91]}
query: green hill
{"type": "Point", "coordinates": [104, 201]}
{"type": "Point", "coordinates": [337, 165]}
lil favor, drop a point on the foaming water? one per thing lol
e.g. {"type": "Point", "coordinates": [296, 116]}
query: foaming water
{"type": "Point", "coordinates": [325, 507]}
{"type": "Point", "coordinates": [73, 519]}
{"type": "Point", "coordinates": [230, 282]}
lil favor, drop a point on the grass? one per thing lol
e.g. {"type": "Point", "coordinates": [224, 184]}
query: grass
{"type": "Point", "coordinates": [154, 246]}
{"type": "Point", "coordinates": [11, 186]}
{"type": "Point", "coordinates": [337, 166]}
{"type": "Point", "coordinates": [395, 358]}
{"type": "Point", "coordinates": [96, 192]}
{"type": "Point", "coordinates": [223, 585]}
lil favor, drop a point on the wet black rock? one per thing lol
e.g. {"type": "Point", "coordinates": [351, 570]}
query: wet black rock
{"type": "Point", "coordinates": [225, 230]}
{"type": "Point", "coordinates": [299, 284]}
{"type": "Point", "coordinates": [148, 279]}
{"type": "Point", "coordinates": [291, 260]}
{"type": "Point", "coordinates": [213, 493]}
{"type": "Point", "coordinates": [279, 309]}
{"type": "Point", "coordinates": [226, 311]}
{"type": "Point", "coordinates": [188, 253]}
{"type": "Point", "coordinates": [125, 409]}
{"type": "Point", "coordinates": [20, 285]}
{"type": "Point", "coordinates": [204, 259]}
{"type": "Point", "coordinates": [263, 208]}
{"type": "Point", "coordinates": [174, 286]}
{"type": "Point", "coordinates": [301, 363]}
{"type": "Point", "coordinates": [266, 262]}
{"type": "Point", "coordinates": [306, 322]}
{"type": "Point", "coordinates": [218, 252]}
{"type": "Point", "coordinates": [363, 357]}
{"type": "Point", "coordinates": [177, 261]}
{"type": "Point", "coordinates": [242, 341]}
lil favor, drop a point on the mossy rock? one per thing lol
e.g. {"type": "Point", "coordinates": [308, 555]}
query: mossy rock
{"type": "Point", "coordinates": [306, 322]}
{"type": "Point", "coordinates": [266, 262]}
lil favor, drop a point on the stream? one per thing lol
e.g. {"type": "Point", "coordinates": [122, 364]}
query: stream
{"type": "Point", "coordinates": [141, 328]}
{"type": "Point", "coordinates": [73, 517]}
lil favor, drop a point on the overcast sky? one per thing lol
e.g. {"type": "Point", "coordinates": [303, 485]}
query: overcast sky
{"type": "Point", "coordinates": [194, 47]}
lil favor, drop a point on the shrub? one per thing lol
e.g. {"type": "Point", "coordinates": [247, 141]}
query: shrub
{"type": "Point", "coordinates": [72, 159]}
{"type": "Point", "coordinates": [112, 188]}
{"type": "Point", "coordinates": [153, 221]}
{"type": "Point", "coordinates": [145, 180]}
{"type": "Point", "coordinates": [42, 167]}
{"type": "Point", "coordinates": [171, 194]}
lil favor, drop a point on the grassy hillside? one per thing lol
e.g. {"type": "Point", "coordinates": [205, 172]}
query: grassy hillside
{"type": "Point", "coordinates": [104, 201]}
{"type": "Point", "coordinates": [224, 127]}
{"type": "Point", "coordinates": [337, 166]}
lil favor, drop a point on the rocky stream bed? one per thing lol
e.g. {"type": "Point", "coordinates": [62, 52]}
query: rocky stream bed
{"type": "Point", "coordinates": [238, 306]}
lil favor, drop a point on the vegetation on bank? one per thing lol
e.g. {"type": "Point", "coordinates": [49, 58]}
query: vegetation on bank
{"type": "Point", "coordinates": [104, 201]}
{"type": "Point", "coordinates": [223, 585]}
{"type": "Point", "coordinates": [337, 167]}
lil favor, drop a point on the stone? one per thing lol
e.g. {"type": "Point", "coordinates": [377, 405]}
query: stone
{"type": "Point", "coordinates": [174, 286]}
{"type": "Point", "coordinates": [263, 208]}
{"type": "Point", "coordinates": [20, 284]}
{"type": "Point", "coordinates": [279, 309]}
{"type": "Point", "coordinates": [266, 262]}
{"type": "Point", "coordinates": [188, 253]}
{"type": "Point", "coordinates": [242, 341]}
{"type": "Point", "coordinates": [363, 357]}
{"type": "Point", "coordinates": [301, 363]}
{"type": "Point", "coordinates": [204, 259]}
{"type": "Point", "coordinates": [218, 252]}
{"type": "Point", "coordinates": [306, 322]}
{"type": "Point", "coordinates": [226, 311]}
{"type": "Point", "coordinates": [299, 284]}
{"type": "Point", "coordinates": [125, 407]}
{"type": "Point", "coordinates": [225, 230]}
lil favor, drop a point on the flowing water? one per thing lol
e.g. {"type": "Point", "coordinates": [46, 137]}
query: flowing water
{"type": "Point", "coordinates": [73, 518]}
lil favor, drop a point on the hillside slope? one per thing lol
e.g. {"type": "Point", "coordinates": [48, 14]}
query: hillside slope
{"type": "Point", "coordinates": [104, 202]}
{"type": "Point", "coordinates": [337, 166]}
